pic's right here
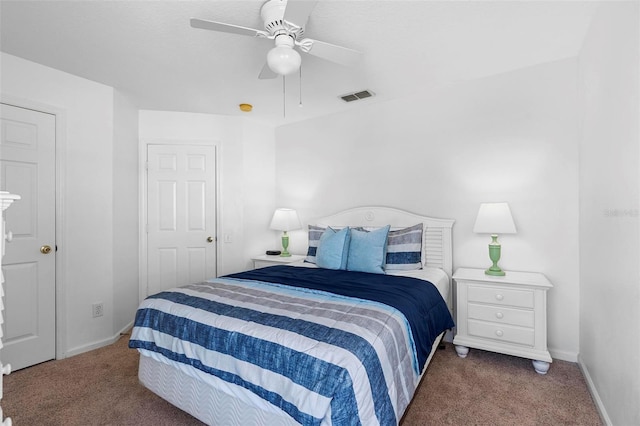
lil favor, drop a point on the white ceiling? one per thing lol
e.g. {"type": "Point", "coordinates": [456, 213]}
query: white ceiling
{"type": "Point", "coordinates": [149, 50]}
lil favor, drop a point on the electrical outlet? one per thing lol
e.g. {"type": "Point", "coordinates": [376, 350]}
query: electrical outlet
{"type": "Point", "coordinates": [98, 309]}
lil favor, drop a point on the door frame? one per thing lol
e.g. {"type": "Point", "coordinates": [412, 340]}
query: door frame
{"type": "Point", "coordinates": [60, 223]}
{"type": "Point", "coordinates": [142, 179]}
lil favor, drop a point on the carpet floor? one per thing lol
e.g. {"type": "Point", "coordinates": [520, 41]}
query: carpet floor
{"type": "Point", "coordinates": [101, 387]}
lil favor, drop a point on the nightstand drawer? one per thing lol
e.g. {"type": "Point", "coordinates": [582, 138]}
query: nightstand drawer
{"type": "Point", "coordinates": [500, 296]}
{"type": "Point", "coordinates": [502, 315]}
{"type": "Point", "coordinates": [500, 332]}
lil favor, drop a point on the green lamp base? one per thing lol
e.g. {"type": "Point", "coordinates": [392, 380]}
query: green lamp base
{"type": "Point", "coordinates": [496, 273]}
{"type": "Point", "coordinates": [494, 255]}
{"type": "Point", "coordinates": [285, 246]}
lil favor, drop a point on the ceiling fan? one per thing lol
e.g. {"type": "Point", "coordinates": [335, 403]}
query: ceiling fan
{"type": "Point", "coordinates": [284, 22]}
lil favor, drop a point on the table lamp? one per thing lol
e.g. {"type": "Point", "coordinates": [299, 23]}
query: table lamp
{"type": "Point", "coordinates": [494, 219]}
{"type": "Point", "coordinates": [285, 220]}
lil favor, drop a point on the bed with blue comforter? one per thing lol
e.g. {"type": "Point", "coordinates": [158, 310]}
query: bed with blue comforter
{"type": "Point", "coordinates": [323, 346]}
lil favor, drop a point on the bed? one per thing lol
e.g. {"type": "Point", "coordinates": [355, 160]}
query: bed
{"type": "Point", "coordinates": [303, 344]}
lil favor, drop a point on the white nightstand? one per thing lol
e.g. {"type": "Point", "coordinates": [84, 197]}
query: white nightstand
{"type": "Point", "coordinates": [503, 314]}
{"type": "Point", "coordinates": [266, 260]}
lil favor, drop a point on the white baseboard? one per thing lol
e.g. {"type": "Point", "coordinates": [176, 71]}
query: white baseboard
{"type": "Point", "coordinates": [99, 344]}
{"type": "Point", "coordinates": [594, 393]}
{"type": "Point", "coordinates": [563, 355]}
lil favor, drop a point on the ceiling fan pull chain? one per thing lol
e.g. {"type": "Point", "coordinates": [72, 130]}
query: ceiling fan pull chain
{"type": "Point", "coordinates": [284, 99]}
{"type": "Point", "coordinates": [300, 104]}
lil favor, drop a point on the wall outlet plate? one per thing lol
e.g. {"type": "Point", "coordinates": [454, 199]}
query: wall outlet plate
{"type": "Point", "coordinates": [97, 309]}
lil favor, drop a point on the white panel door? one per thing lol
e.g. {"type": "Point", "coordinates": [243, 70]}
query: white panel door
{"type": "Point", "coordinates": [181, 215]}
{"type": "Point", "coordinates": [27, 168]}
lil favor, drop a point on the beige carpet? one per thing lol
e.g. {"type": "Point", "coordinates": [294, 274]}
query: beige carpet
{"type": "Point", "coordinates": [101, 388]}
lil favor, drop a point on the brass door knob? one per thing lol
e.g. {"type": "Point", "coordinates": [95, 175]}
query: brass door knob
{"type": "Point", "coordinates": [45, 249]}
{"type": "Point", "coordinates": [209, 239]}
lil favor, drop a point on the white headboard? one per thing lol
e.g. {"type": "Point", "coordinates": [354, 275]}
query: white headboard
{"type": "Point", "coordinates": [437, 238]}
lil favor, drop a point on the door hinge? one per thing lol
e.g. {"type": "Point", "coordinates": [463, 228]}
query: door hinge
{"type": "Point", "coordinates": [146, 228]}
{"type": "Point", "coordinates": [146, 165]}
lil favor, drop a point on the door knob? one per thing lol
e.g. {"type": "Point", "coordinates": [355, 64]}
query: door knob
{"type": "Point", "coordinates": [209, 239]}
{"type": "Point", "coordinates": [45, 249]}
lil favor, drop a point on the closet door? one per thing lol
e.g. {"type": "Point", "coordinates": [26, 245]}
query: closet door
{"type": "Point", "coordinates": [27, 167]}
{"type": "Point", "coordinates": [181, 215]}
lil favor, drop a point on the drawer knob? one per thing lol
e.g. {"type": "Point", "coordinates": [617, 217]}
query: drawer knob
{"type": "Point", "coordinates": [499, 296]}
{"type": "Point", "coordinates": [499, 315]}
{"type": "Point", "coordinates": [499, 333]}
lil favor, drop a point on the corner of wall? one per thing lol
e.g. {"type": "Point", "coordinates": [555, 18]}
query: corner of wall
{"type": "Point", "coordinates": [602, 411]}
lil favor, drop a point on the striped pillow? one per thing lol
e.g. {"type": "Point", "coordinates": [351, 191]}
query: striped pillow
{"type": "Point", "coordinates": [315, 232]}
{"type": "Point", "coordinates": [404, 249]}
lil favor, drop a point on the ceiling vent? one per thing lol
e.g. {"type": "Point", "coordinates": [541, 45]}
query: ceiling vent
{"type": "Point", "coordinates": [357, 96]}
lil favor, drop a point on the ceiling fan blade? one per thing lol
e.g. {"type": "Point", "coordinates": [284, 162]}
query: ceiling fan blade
{"type": "Point", "coordinates": [266, 73]}
{"type": "Point", "coordinates": [331, 52]}
{"type": "Point", "coordinates": [297, 11]}
{"type": "Point", "coordinates": [226, 28]}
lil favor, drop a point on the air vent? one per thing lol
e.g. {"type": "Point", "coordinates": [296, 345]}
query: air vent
{"type": "Point", "coordinates": [350, 97]}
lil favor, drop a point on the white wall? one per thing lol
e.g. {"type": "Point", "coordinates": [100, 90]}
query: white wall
{"type": "Point", "coordinates": [246, 160]}
{"type": "Point", "coordinates": [609, 211]}
{"type": "Point", "coordinates": [125, 211]}
{"type": "Point", "coordinates": [510, 137]}
{"type": "Point", "coordinates": [260, 188]}
{"type": "Point", "coordinates": [86, 244]}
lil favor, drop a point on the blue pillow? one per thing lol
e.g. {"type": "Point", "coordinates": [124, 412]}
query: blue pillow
{"type": "Point", "coordinates": [333, 248]}
{"type": "Point", "coordinates": [368, 250]}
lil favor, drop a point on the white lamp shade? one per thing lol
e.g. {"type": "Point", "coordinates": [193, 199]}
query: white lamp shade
{"type": "Point", "coordinates": [494, 218]}
{"type": "Point", "coordinates": [285, 220]}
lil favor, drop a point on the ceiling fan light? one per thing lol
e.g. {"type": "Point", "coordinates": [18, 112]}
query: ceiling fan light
{"type": "Point", "coordinates": [283, 60]}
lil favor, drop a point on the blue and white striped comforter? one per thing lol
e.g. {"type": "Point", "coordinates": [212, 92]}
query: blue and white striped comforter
{"type": "Point", "coordinates": [321, 357]}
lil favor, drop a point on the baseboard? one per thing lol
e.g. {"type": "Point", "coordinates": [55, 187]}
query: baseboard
{"type": "Point", "coordinates": [126, 329]}
{"type": "Point", "coordinates": [99, 344]}
{"type": "Point", "coordinates": [563, 355]}
{"type": "Point", "coordinates": [594, 393]}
